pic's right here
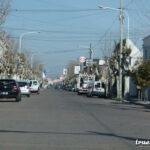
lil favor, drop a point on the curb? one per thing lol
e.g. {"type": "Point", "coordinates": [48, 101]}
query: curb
{"type": "Point", "coordinates": [135, 102]}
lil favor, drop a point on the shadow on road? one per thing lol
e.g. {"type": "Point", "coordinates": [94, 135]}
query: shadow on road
{"type": "Point", "coordinates": [117, 136]}
{"type": "Point", "coordinates": [7, 101]}
{"type": "Point", "coordinates": [88, 133]}
{"type": "Point", "coordinates": [120, 106]}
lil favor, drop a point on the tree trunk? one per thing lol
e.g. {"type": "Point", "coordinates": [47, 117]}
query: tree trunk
{"type": "Point", "coordinates": [139, 94]}
{"type": "Point", "coordinates": [118, 88]}
{"type": "Point", "coordinates": [145, 94]}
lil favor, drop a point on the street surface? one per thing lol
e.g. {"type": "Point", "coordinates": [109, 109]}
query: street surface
{"type": "Point", "coordinates": [60, 120]}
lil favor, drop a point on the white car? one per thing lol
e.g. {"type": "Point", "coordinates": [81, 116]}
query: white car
{"type": "Point", "coordinates": [24, 88]}
{"type": "Point", "coordinates": [98, 89]}
{"type": "Point", "coordinates": [34, 86]}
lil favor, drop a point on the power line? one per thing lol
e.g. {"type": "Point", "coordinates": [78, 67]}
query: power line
{"type": "Point", "coordinates": [109, 28]}
{"type": "Point", "coordinates": [53, 10]}
{"type": "Point", "coordinates": [53, 31]}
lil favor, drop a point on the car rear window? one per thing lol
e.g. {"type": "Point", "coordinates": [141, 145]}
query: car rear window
{"type": "Point", "coordinates": [7, 83]}
{"type": "Point", "coordinates": [98, 85]}
{"type": "Point", "coordinates": [34, 82]}
{"type": "Point", "coordinates": [22, 84]}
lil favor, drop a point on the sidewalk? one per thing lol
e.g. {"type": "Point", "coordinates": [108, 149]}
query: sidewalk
{"type": "Point", "coordinates": [134, 101]}
{"type": "Point", "coordinates": [138, 102]}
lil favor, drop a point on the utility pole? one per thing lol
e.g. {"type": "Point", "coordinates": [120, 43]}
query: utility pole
{"type": "Point", "coordinates": [121, 47]}
{"type": "Point", "coordinates": [90, 51]}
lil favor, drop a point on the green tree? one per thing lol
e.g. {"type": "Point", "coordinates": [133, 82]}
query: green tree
{"type": "Point", "coordinates": [142, 76]}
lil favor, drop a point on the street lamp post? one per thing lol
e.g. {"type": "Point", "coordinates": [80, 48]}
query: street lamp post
{"type": "Point", "coordinates": [126, 13]}
{"type": "Point", "coordinates": [119, 95]}
{"type": "Point", "coordinates": [23, 34]}
{"type": "Point", "coordinates": [90, 50]}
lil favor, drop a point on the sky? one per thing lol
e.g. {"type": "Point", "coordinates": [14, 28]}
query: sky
{"type": "Point", "coordinates": [67, 27]}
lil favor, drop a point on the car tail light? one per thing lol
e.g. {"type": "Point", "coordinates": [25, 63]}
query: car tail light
{"type": "Point", "coordinates": [28, 87]}
{"type": "Point", "coordinates": [15, 88]}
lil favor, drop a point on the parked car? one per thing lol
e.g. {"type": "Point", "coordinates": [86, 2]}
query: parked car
{"type": "Point", "coordinates": [9, 88]}
{"type": "Point", "coordinates": [34, 86]}
{"type": "Point", "coordinates": [84, 88]}
{"type": "Point", "coordinates": [98, 89]}
{"type": "Point", "coordinates": [24, 87]}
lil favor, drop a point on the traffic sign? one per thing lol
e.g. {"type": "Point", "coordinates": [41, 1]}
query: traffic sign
{"type": "Point", "coordinates": [82, 59]}
{"type": "Point", "coordinates": [76, 69]}
{"type": "Point", "coordinates": [89, 62]}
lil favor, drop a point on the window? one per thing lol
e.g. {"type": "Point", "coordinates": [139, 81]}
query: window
{"type": "Point", "coordinates": [34, 82]}
{"type": "Point", "coordinates": [103, 85]}
{"type": "Point", "coordinates": [98, 85]}
{"type": "Point", "coordinates": [9, 83]}
{"type": "Point", "coordinates": [22, 84]}
{"type": "Point", "coordinates": [30, 83]}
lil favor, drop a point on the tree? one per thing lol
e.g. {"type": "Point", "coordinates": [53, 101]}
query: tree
{"type": "Point", "coordinates": [4, 10]}
{"type": "Point", "coordinates": [142, 76]}
{"type": "Point", "coordinates": [70, 69]}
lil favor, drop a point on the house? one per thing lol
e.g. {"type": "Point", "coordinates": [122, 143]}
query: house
{"type": "Point", "coordinates": [131, 57]}
{"type": "Point", "coordinates": [134, 58]}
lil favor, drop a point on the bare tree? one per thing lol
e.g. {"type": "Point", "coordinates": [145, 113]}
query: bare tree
{"type": "Point", "coordinates": [4, 10]}
{"type": "Point", "coordinates": [70, 68]}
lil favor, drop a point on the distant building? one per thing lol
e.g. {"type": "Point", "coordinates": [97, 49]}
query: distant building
{"type": "Point", "coordinates": [146, 47]}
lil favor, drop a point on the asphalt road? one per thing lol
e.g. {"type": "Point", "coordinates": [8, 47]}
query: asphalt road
{"type": "Point", "coordinates": [60, 120]}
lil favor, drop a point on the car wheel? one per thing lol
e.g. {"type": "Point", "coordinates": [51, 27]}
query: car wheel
{"type": "Point", "coordinates": [38, 92]}
{"type": "Point", "coordinates": [28, 95]}
{"type": "Point", "coordinates": [18, 98]}
{"type": "Point", "coordinates": [88, 95]}
{"type": "Point", "coordinates": [79, 93]}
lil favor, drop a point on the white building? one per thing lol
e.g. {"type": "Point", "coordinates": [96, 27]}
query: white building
{"type": "Point", "coordinates": [146, 47]}
{"type": "Point", "coordinates": [134, 57]}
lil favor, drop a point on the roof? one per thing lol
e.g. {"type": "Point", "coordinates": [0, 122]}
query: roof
{"type": "Point", "coordinates": [147, 37]}
{"type": "Point", "coordinates": [135, 52]}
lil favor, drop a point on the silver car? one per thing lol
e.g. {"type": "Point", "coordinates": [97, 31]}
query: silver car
{"type": "Point", "coordinates": [24, 87]}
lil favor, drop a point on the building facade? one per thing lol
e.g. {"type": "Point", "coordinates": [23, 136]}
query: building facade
{"type": "Point", "coordinates": [146, 55]}
{"type": "Point", "coordinates": [146, 48]}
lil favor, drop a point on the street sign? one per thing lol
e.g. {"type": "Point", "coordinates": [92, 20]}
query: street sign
{"type": "Point", "coordinates": [101, 62]}
{"type": "Point", "coordinates": [82, 59]}
{"type": "Point", "coordinates": [76, 69]}
{"type": "Point", "coordinates": [65, 71]}
{"type": "Point", "coordinates": [89, 62]}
